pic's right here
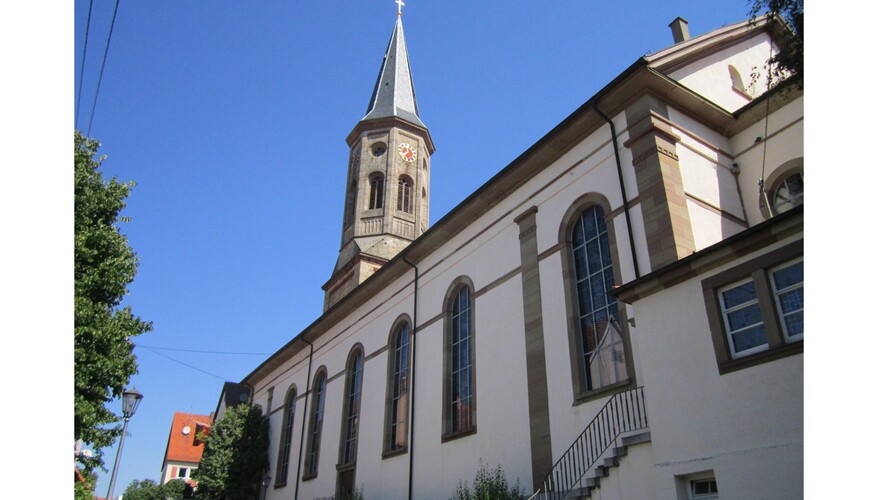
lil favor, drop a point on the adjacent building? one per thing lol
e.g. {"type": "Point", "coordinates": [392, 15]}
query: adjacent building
{"type": "Point", "coordinates": [618, 313]}
{"type": "Point", "coordinates": [185, 446]}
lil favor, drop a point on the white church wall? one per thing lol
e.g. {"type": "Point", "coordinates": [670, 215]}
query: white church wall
{"type": "Point", "coordinates": [710, 77]}
{"type": "Point", "coordinates": [752, 416]}
{"type": "Point", "coordinates": [786, 128]}
{"type": "Point", "coordinates": [633, 478]}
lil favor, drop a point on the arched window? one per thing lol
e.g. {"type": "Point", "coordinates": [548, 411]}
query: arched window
{"type": "Point", "coordinates": [315, 424]}
{"type": "Point", "coordinates": [283, 456]}
{"type": "Point", "coordinates": [397, 401]}
{"type": "Point", "coordinates": [354, 386]}
{"type": "Point", "coordinates": [376, 196]}
{"type": "Point", "coordinates": [347, 460]}
{"type": "Point", "coordinates": [404, 195]}
{"type": "Point", "coordinates": [351, 203]}
{"type": "Point", "coordinates": [790, 193]}
{"type": "Point", "coordinates": [459, 365]}
{"type": "Point", "coordinates": [600, 346]}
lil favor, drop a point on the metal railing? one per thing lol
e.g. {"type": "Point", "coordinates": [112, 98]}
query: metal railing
{"type": "Point", "coordinates": [624, 412]}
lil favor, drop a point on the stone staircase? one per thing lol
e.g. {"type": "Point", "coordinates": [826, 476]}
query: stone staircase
{"type": "Point", "coordinates": [619, 424]}
{"type": "Point", "coordinates": [592, 479]}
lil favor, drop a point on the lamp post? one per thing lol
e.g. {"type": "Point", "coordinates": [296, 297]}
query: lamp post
{"type": "Point", "coordinates": [266, 480]}
{"type": "Point", "coordinates": [130, 400]}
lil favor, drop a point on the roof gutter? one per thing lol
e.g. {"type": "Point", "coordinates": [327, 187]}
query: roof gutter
{"type": "Point", "coordinates": [621, 186]}
{"type": "Point", "coordinates": [414, 344]}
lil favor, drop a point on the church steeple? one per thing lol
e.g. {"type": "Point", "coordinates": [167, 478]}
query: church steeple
{"type": "Point", "coordinates": [394, 93]}
{"type": "Point", "coordinates": [387, 202]}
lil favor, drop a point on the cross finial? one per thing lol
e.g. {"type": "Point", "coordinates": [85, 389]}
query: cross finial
{"type": "Point", "coordinates": [399, 4]}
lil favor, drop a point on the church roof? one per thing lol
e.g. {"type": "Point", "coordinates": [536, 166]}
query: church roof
{"type": "Point", "coordinates": [394, 93]}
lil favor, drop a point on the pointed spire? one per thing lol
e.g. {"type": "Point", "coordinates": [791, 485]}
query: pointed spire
{"type": "Point", "coordinates": [394, 93]}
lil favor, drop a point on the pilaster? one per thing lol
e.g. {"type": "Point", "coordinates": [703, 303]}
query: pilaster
{"type": "Point", "coordinates": [653, 146]}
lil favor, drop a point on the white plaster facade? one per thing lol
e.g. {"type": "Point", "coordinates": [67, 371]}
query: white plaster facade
{"type": "Point", "coordinates": [743, 427]}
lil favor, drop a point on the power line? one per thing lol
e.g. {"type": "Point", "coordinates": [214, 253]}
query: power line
{"type": "Point", "coordinates": [224, 379]}
{"type": "Point", "coordinates": [82, 67]}
{"type": "Point", "coordinates": [205, 352]}
{"type": "Point", "coordinates": [103, 63]}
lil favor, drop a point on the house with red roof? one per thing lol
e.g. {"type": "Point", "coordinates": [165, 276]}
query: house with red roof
{"type": "Point", "coordinates": [185, 446]}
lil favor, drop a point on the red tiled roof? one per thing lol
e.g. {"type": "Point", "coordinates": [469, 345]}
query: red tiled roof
{"type": "Point", "coordinates": [182, 447]}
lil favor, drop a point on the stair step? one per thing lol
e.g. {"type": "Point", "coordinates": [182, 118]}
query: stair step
{"type": "Point", "coordinates": [601, 471]}
{"type": "Point", "coordinates": [580, 493]}
{"type": "Point", "coordinates": [611, 462]}
{"type": "Point", "coordinates": [641, 437]}
{"type": "Point", "coordinates": [620, 451]}
{"type": "Point", "coordinates": [593, 482]}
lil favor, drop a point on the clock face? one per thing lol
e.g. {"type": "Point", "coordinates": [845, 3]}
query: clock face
{"type": "Point", "coordinates": [407, 152]}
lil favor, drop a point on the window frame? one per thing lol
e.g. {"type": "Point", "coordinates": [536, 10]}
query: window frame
{"type": "Point", "coordinates": [774, 180]}
{"type": "Point", "coordinates": [581, 394]}
{"type": "Point", "coordinates": [405, 195]}
{"type": "Point", "coordinates": [402, 326]}
{"type": "Point", "coordinates": [448, 432]}
{"type": "Point", "coordinates": [757, 269]}
{"type": "Point", "coordinates": [315, 426]}
{"type": "Point", "coordinates": [376, 191]}
{"type": "Point", "coordinates": [286, 442]}
{"type": "Point", "coordinates": [353, 390]}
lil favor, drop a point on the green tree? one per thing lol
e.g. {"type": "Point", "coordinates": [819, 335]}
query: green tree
{"type": "Point", "coordinates": [103, 266]}
{"type": "Point", "coordinates": [790, 60]}
{"type": "Point", "coordinates": [235, 456]}
{"type": "Point", "coordinates": [178, 489]}
{"type": "Point", "coordinates": [146, 489]}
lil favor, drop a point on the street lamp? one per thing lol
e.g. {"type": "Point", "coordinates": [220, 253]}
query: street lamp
{"type": "Point", "coordinates": [130, 400]}
{"type": "Point", "coordinates": [266, 480]}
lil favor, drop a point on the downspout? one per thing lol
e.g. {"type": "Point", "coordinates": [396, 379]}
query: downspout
{"type": "Point", "coordinates": [304, 418]}
{"type": "Point", "coordinates": [412, 389]}
{"type": "Point", "coordinates": [622, 186]}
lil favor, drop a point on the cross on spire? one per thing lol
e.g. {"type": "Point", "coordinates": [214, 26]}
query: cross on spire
{"type": "Point", "coordinates": [399, 4]}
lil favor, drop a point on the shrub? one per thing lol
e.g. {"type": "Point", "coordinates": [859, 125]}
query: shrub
{"type": "Point", "coordinates": [489, 484]}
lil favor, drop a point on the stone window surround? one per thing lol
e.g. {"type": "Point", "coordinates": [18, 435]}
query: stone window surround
{"type": "Point", "coordinates": [348, 372]}
{"type": "Point", "coordinates": [285, 445]}
{"type": "Point", "coordinates": [565, 240]}
{"type": "Point", "coordinates": [402, 321]}
{"type": "Point", "coordinates": [757, 268]}
{"type": "Point", "coordinates": [776, 178]}
{"type": "Point", "coordinates": [311, 469]}
{"type": "Point", "coordinates": [450, 295]}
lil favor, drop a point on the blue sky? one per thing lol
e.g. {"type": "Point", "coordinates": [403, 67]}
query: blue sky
{"type": "Point", "coordinates": [232, 117]}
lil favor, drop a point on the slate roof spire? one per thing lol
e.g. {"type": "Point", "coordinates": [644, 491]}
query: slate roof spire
{"type": "Point", "coordinates": [394, 93]}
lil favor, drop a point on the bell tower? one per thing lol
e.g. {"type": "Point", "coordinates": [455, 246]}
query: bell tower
{"type": "Point", "coordinates": [387, 201]}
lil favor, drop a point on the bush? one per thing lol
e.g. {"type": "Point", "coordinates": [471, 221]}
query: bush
{"type": "Point", "coordinates": [489, 484]}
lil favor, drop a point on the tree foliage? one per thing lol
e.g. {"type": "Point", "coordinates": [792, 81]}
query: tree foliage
{"type": "Point", "coordinates": [789, 62]}
{"type": "Point", "coordinates": [147, 489]}
{"type": "Point", "coordinates": [104, 265]}
{"type": "Point", "coordinates": [489, 484]}
{"type": "Point", "coordinates": [235, 456]}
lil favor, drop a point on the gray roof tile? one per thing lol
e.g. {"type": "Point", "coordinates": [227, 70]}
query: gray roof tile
{"type": "Point", "coordinates": [394, 93]}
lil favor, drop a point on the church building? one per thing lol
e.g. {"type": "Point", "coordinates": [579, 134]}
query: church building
{"type": "Point", "coordinates": [616, 314]}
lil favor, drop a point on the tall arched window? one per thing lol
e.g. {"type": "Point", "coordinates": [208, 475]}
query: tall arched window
{"type": "Point", "coordinates": [376, 196]}
{"type": "Point", "coordinates": [350, 425]}
{"type": "Point", "coordinates": [602, 350]}
{"type": "Point", "coordinates": [351, 202]}
{"type": "Point", "coordinates": [459, 365]}
{"type": "Point", "coordinates": [315, 424]}
{"type": "Point", "coordinates": [404, 195]}
{"type": "Point", "coordinates": [397, 402]}
{"type": "Point", "coordinates": [354, 387]}
{"type": "Point", "coordinates": [283, 455]}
